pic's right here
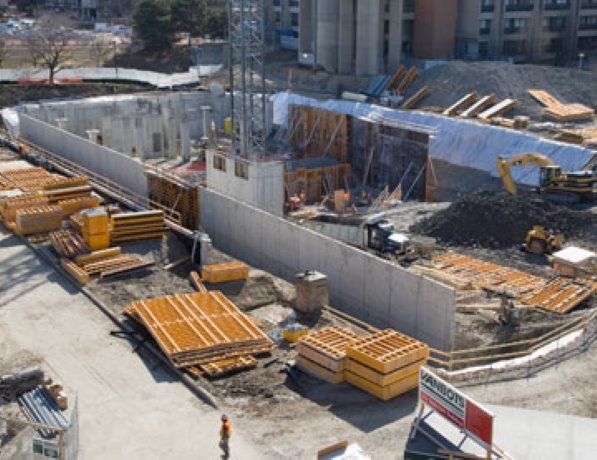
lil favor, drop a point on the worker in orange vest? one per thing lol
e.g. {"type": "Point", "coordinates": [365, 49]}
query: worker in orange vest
{"type": "Point", "coordinates": [225, 433]}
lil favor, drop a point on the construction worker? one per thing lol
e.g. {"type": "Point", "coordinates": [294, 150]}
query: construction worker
{"type": "Point", "coordinates": [225, 433]}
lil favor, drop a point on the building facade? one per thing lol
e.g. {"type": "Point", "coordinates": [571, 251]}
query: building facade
{"type": "Point", "coordinates": [537, 31]}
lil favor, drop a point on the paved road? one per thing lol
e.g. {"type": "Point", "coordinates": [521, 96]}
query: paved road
{"type": "Point", "coordinates": [128, 408]}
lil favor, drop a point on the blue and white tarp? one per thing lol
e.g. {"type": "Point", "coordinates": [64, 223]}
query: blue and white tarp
{"type": "Point", "coordinates": [460, 142]}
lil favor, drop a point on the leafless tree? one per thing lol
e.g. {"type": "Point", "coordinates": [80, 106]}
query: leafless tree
{"type": "Point", "coordinates": [101, 48]}
{"type": "Point", "coordinates": [49, 49]}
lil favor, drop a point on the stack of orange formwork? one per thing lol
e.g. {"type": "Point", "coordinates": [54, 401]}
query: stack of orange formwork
{"type": "Point", "coordinates": [95, 229]}
{"type": "Point", "coordinates": [38, 220]}
{"type": "Point", "coordinates": [323, 353]}
{"type": "Point", "coordinates": [385, 364]}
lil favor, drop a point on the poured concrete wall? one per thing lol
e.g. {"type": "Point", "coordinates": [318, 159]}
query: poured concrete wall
{"type": "Point", "coordinates": [111, 164]}
{"type": "Point", "coordinates": [365, 286]}
{"type": "Point", "coordinates": [263, 188]}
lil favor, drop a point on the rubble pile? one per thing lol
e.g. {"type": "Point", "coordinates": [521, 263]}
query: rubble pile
{"type": "Point", "coordinates": [498, 220]}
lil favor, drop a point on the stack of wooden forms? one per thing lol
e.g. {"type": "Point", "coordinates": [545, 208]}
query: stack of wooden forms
{"type": "Point", "coordinates": [10, 206]}
{"type": "Point", "coordinates": [386, 364]}
{"type": "Point", "coordinates": [37, 220]}
{"type": "Point", "coordinates": [70, 193]}
{"type": "Point", "coordinates": [137, 225]}
{"type": "Point", "coordinates": [95, 229]}
{"type": "Point", "coordinates": [323, 353]}
{"type": "Point", "coordinates": [107, 262]}
{"type": "Point", "coordinates": [559, 294]}
{"type": "Point", "coordinates": [177, 195]}
{"type": "Point", "coordinates": [78, 204]}
{"type": "Point", "coordinates": [203, 332]}
{"type": "Point", "coordinates": [561, 111]}
{"type": "Point", "coordinates": [26, 179]}
{"type": "Point", "coordinates": [220, 273]}
{"type": "Point", "coordinates": [68, 243]}
{"type": "Point", "coordinates": [65, 182]}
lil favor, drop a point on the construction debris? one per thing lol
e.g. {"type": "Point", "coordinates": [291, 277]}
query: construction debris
{"type": "Point", "coordinates": [199, 328]}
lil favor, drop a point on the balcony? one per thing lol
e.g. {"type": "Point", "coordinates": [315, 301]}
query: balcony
{"type": "Point", "coordinates": [519, 7]}
{"type": "Point", "coordinates": [557, 6]}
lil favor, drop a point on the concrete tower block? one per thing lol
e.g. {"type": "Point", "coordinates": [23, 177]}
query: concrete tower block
{"type": "Point", "coordinates": [327, 34]}
{"type": "Point", "coordinates": [369, 32]}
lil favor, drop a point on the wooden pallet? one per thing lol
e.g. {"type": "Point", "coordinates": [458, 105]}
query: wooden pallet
{"type": "Point", "coordinates": [68, 243]}
{"type": "Point", "coordinates": [220, 273]}
{"type": "Point", "coordinates": [227, 366]}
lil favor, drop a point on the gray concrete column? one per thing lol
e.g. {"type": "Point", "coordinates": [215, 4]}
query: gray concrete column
{"type": "Point", "coordinates": [327, 34]}
{"type": "Point", "coordinates": [395, 36]}
{"type": "Point", "coordinates": [306, 38]}
{"type": "Point", "coordinates": [346, 37]}
{"type": "Point", "coordinates": [368, 33]}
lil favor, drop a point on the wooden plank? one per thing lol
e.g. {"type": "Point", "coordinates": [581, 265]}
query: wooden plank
{"type": "Point", "coordinates": [482, 104]}
{"type": "Point", "coordinates": [499, 109]}
{"type": "Point", "coordinates": [461, 104]}
{"type": "Point", "coordinates": [319, 371]}
{"type": "Point", "coordinates": [74, 271]}
{"type": "Point", "coordinates": [416, 98]}
{"type": "Point", "coordinates": [544, 98]}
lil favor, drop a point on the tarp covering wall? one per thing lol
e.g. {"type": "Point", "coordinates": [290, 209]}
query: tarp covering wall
{"type": "Point", "coordinates": [460, 142]}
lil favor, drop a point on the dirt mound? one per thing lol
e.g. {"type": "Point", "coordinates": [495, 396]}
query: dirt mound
{"type": "Point", "coordinates": [448, 83]}
{"type": "Point", "coordinates": [497, 220]}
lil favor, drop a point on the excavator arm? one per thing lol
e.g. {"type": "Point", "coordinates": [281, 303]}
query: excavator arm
{"type": "Point", "coordinates": [503, 166]}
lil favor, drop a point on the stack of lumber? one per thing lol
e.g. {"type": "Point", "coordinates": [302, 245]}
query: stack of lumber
{"type": "Point", "coordinates": [68, 243]}
{"type": "Point", "coordinates": [77, 204]}
{"type": "Point", "coordinates": [220, 273]}
{"type": "Point", "coordinates": [203, 332]}
{"type": "Point", "coordinates": [37, 220]}
{"type": "Point", "coordinates": [60, 194]}
{"type": "Point", "coordinates": [26, 179]}
{"type": "Point", "coordinates": [109, 262]}
{"type": "Point", "coordinates": [95, 229]}
{"type": "Point", "coordinates": [10, 206]}
{"type": "Point", "coordinates": [385, 364]}
{"type": "Point", "coordinates": [65, 182]}
{"type": "Point", "coordinates": [561, 111]}
{"type": "Point", "coordinates": [323, 353]}
{"type": "Point", "coordinates": [137, 225]}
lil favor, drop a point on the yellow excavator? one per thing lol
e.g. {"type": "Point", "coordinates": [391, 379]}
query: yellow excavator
{"type": "Point", "coordinates": [568, 187]}
{"type": "Point", "coordinates": [540, 241]}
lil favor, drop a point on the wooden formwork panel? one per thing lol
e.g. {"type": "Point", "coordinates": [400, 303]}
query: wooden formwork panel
{"type": "Point", "coordinates": [559, 295]}
{"type": "Point", "coordinates": [380, 379]}
{"type": "Point", "coordinates": [226, 366]}
{"type": "Point", "coordinates": [319, 371]}
{"type": "Point", "coordinates": [387, 351]}
{"type": "Point", "coordinates": [219, 273]}
{"type": "Point", "coordinates": [384, 392]}
{"type": "Point", "coordinates": [330, 341]}
{"type": "Point", "coordinates": [75, 271]}
{"type": "Point", "coordinates": [68, 243]}
{"type": "Point", "coordinates": [200, 327]}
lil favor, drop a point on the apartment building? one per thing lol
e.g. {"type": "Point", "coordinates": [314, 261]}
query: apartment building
{"type": "Point", "coordinates": [282, 26]}
{"type": "Point", "coordinates": [538, 31]}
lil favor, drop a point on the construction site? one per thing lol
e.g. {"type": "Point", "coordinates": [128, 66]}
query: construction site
{"type": "Point", "coordinates": [317, 269]}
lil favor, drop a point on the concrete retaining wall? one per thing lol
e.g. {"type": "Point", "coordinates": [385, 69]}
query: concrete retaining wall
{"type": "Point", "coordinates": [111, 164]}
{"type": "Point", "coordinates": [362, 285]}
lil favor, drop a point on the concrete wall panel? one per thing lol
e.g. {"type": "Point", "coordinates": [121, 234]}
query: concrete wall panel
{"type": "Point", "coordinates": [362, 285]}
{"type": "Point", "coordinates": [111, 164]}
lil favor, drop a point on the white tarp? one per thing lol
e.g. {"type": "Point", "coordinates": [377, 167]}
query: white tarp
{"type": "Point", "coordinates": [10, 118]}
{"type": "Point", "coordinates": [460, 142]}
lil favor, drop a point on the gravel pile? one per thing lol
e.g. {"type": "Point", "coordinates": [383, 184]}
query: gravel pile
{"type": "Point", "coordinates": [498, 220]}
{"type": "Point", "coordinates": [448, 83]}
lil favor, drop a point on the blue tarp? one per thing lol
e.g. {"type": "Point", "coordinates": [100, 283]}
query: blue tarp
{"type": "Point", "coordinates": [460, 142]}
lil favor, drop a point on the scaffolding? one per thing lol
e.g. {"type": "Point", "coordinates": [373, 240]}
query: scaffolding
{"type": "Point", "coordinates": [246, 28]}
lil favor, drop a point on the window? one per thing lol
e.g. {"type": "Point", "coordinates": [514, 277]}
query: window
{"type": "Point", "coordinates": [514, 25]}
{"type": "Point", "coordinates": [277, 18]}
{"type": "Point", "coordinates": [588, 22]}
{"type": "Point", "coordinates": [557, 4]}
{"type": "Point", "coordinates": [294, 19]}
{"type": "Point", "coordinates": [386, 27]}
{"type": "Point", "coordinates": [386, 6]}
{"type": "Point", "coordinates": [487, 6]}
{"type": "Point", "coordinates": [485, 26]}
{"type": "Point", "coordinates": [220, 163]}
{"type": "Point", "coordinates": [519, 5]}
{"type": "Point", "coordinates": [157, 142]}
{"type": "Point", "coordinates": [483, 49]}
{"type": "Point", "coordinates": [241, 169]}
{"type": "Point", "coordinates": [408, 6]}
{"type": "Point", "coordinates": [514, 47]}
{"type": "Point", "coordinates": [554, 24]}
{"type": "Point", "coordinates": [276, 2]}
{"type": "Point", "coordinates": [555, 45]}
